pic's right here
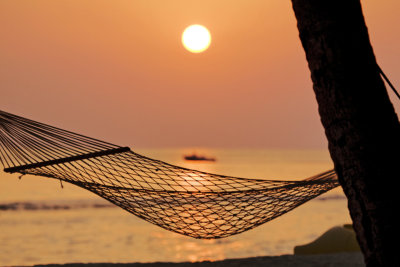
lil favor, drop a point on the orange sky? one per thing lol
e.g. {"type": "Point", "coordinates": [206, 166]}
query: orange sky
{"type": "Point", "coordinates": [116, 70]}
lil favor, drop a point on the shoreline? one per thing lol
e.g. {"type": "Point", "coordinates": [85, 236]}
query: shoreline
{"type": "Point", "coordinates": [335, 259]}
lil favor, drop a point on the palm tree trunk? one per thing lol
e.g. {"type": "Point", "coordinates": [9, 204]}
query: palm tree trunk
{"type": "Point", "coordinates": [360, 123]}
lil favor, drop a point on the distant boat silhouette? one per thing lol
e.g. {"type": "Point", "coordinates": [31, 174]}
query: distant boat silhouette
{"type": "Point", "coordinates": [197, 157]}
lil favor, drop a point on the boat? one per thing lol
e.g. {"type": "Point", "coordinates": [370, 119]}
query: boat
{"type": "Point", "coordinates": [198, 158]}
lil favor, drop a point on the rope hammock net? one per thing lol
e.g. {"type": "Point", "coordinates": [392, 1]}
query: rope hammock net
{"type": "Point", "coordinates": [185, 201]}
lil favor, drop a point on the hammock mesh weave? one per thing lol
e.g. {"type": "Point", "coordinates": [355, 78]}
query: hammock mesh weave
{"type": "Point", "coordinates": [189, 202]}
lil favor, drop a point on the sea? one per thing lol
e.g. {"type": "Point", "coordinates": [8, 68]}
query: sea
{"type": "Point", "coordinates": [43, 221]}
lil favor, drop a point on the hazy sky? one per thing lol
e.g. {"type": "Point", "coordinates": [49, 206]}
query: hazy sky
{"type": "Point", "coordinates": [116, 70]}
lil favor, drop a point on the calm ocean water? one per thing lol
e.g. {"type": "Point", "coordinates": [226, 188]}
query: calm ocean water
{"type": "Point", "coordinates": [41, 222]}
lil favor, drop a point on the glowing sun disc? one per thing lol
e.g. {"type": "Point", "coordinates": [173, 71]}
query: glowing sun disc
{"type": "Point", "coordinates": [196, 38]}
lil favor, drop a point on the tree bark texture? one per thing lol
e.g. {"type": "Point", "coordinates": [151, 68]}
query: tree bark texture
{"type": "Point", "coordinates": [360, 123]}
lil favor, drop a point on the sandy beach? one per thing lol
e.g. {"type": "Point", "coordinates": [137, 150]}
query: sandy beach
{"type": "Point", "coordinates": [336, 259]}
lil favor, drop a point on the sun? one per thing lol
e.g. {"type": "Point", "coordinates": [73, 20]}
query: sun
{"type": "Point", "coordinates": [196, 38]}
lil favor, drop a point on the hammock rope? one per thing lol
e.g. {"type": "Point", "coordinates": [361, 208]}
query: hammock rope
{"type": "Point", "coordinates": [185, 201]}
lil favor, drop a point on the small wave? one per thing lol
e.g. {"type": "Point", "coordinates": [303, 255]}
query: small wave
{"type": "Point", "coordinates": [333, 197]}
{"type": "Point", "coordinates": [86, 204]}
{"type": "Point", "coordinates": [13, 206]}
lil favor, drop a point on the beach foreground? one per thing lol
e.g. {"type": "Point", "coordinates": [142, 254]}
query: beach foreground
{"type": "Point", "coordinates": [335, 259]}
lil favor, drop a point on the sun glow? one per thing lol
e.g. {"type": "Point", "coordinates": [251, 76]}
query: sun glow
{"type": "Point", "coordinates": [196, 38]}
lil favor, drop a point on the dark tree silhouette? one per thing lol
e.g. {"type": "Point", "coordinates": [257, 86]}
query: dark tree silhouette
{"type": "Point", "coordinates": [360, 123]}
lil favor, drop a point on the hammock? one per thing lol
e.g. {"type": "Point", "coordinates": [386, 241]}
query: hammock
{"type": "Point", "coordinates": [189, 202]}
